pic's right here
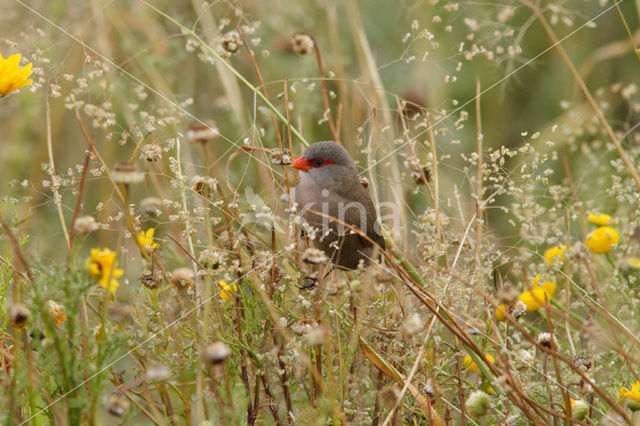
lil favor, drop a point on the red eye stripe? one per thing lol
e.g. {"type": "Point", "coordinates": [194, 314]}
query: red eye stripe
{"type": "Point", "coordinates": [319, 162]}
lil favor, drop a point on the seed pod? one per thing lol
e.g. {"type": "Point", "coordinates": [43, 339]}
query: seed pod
{"type": "Point", "coordinates": [182, 278]}
{"type": "Point", "coordinates": [216, 353]}
{"type": "Point", "coordinates": [546, 340]}
{"type": "Point", "coordinates": [202, 133]}
{"type": "Point", "coordinates": [151, 205]}
{"type": "Point", "coordinates": [117, 406]}
{"type": "Point", "coordinates": [314, 256]}
{"type": "Point", "coordinates": [126, 173]}
{"type": "Point", "coordinates": [301, 43]}
{"type": "Point", "coordinates": [84, 225]}
{"type": "Point", "coordinates": [231, 42]}
{"type": "Point", "coordinates": [478, 403]}
{"type": "Point", "coordinates": [150, 280]}
{"type": "Point", "coordinates": [280, 157]}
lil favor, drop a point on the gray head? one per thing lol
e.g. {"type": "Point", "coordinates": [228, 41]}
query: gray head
{"type": "Point", "coordinates": [328, 163]}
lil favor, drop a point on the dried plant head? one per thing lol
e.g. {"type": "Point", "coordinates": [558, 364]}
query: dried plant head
{"type": "Point", "coordinates": [151, 205]}
{"type": "Point", "coordinates": [200, 133]}
{"type": "Point", "coordinates": [85, 225]}
{"type": "Point", "coordinates": [126, 173]}
{"type": "Point", "coordinates": [150, 279]}
{"type": "Point", "coordinates": [301, 43]}
{"type": "Point", "coordinates": [182, 278]}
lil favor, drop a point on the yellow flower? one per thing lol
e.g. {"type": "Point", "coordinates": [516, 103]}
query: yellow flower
{"type": "Point", "coordinates": [633, 262]}
{"type": "Point", "coordinates": [225, 291]}
{"type": "Point", "coordinates": [470, 365]}
{"type": "Point", "coordinates": [601, 219]}
{"type": "Point", "coordinates": [602, 240]}
{"type": "Point", "coordinates": [632, 396]}
{"type": "Point", "coordinates": [103, 267]}
{"type": "Point", "coordinates": [534, 299]}
{"type": "Point", "coordinates": [12, 77]}
{"type": "Point", "coordinates": [146, 240]}
{"type": "Point", "coordinates": [56, 311]}
{"type": "Point", "coordinates": [554, 254]}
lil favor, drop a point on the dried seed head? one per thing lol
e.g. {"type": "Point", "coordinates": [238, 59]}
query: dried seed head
{"type": "Point", "coordinates": [389, 396]}
{"type": "Point", "coordinates": [231, 42]}
{"type": "Point", "coordinates": [85, 225]}
{"type": "Point", "coordinates": [205, 187]}
{"type": "Point", "coordinates": [583, 361]}
{"type": "Point", "coordinates": [126, 173]}
{"type": "Point", "coordinates": [364, 181]}
{"type": "Point", "coordinates": [280, 157]}
{"type": "Point", "coordinates": [478, 403]}
{"type": "Point", "coordinates": [119, 312]}
{"type": "Point", "coordinates": [151, 152]}
{"type": "Point", "coordinates": [411, 325]}
{"type": "Point", "coordinates": [428, 389]}
{"type": "Point", "coordinates": [303, 326]}
{"type": "Point", "coordinates": [117, 406]}
{"type": "Point", "coordinates": [301, 43]}
{"type": "Point", "coordinates": [420, 175]}
{"type": "Point", "coordinates": [157, 372]}
{"type": "Point", "coordinates": [316, 336]}
{"type": "Point", "coordinates": [150, 280]}
{"type": "Point", "coordinates": [216, 353]}
{"type": "Point", "coordinates": [151, 205]}
{"type": "Point", "coordinates": [202, 133]}
{"type": "Point", "coordinates": [314, 256]}
{"type": "Point", "coordinates": [508, 295]}
{"type": "Point", "coordinates": [519, 309]}
{"type": "Point", "coordinates": [182, 278]}
{"type": "Point", "coordinates": [210, 259]}
{"type": "Point", "coordinates": [546, 340]}
{"type": "Point", "coordinates": [18, 316]}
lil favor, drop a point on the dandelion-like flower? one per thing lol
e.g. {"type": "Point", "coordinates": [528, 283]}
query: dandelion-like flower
{"type": "Point", "coordinates": [533, 299]}
{"type": "Point", "coordinates": [12, 77]}
{"type": "Point", "coordinates": [225, 290]}
{"type": "Point", "coordinates": [145, 239]}
{"type": "Point", "coordinates": [470, 364]}
{"type": "Point", "coordinates": [555, 254]}
{"type": "Point", "coordinates": [631, 396]}
{"type": "Point", "coordinates": [600, 219]}
{"type": "Point", "coordinates": [602, 240]}
{"type": "Point", "coordinates": [56, 311]}
{"type": "Point", "coordinates": [103, 267]}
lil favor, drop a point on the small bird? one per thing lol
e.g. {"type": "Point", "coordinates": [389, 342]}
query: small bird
{"type": "Point", "coordinates": [330, 195]}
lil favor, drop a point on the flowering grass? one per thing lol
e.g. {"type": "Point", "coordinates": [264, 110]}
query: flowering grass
{"type": "Point", "coordinates": [150, 271]}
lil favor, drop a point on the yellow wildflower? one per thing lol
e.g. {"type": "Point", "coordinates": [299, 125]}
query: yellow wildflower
{"type": "Point", "coordinates": [601, 219]}
{"type": "Point", "coordinates": [56, 311]}
{"type": "Point", "coordinates": [103, 267]}
{"type": "Point", "coordinates": [145, 239]}
{"type": "Point", "coordinates": [12, 77]}
{"type": "Point", "coordinates": [602, 240]}
{"type": "Point", "coordinates": [554, 254]}
{"type": "Point", "coordinates": [633, 262]}
{"type": "Point", "coordinates": [470, 364]}
{"type": "Point", "coordinates": [534, 299]}
{"type": "Point", "coordinates": [632, 396]}
{"type": "Point", "coordinates": [225, 290]}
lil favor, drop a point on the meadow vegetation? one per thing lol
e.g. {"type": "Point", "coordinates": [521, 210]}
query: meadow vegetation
{"type": "Point", "coordinates": [150, 271]}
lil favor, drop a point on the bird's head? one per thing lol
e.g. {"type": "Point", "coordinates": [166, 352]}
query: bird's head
{"type": "Point", "coordinates": [326, 161]}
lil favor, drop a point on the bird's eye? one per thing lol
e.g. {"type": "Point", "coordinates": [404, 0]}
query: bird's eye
{"type": "Point", "coordinates": [319, 162]}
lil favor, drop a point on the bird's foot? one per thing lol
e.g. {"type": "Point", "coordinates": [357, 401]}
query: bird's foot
{"type": "Point", "coordinates": [311, 283]}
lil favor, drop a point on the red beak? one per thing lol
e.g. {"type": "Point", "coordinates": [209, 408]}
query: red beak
{"type": "Point", "coordinates": [301, 163]}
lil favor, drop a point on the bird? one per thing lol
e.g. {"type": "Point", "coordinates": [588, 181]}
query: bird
{"type": "Point", "coordinates": [335, 204]}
